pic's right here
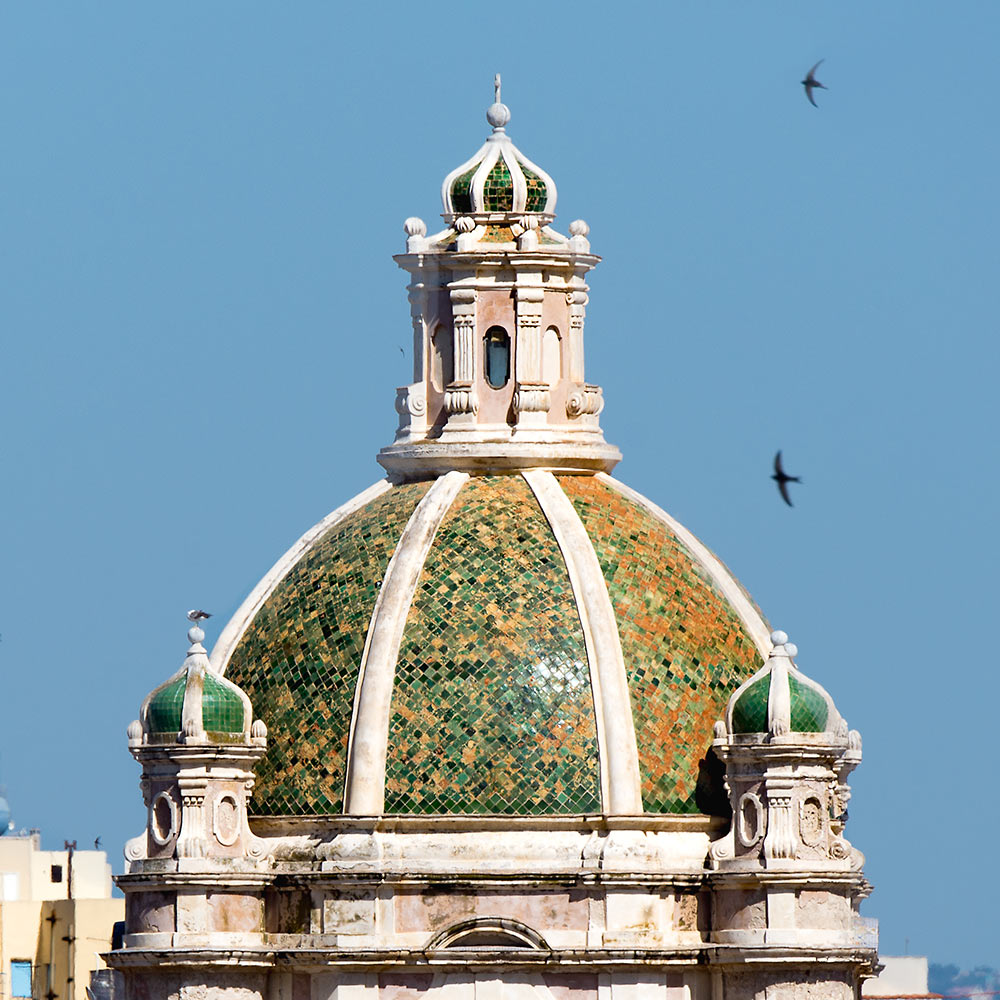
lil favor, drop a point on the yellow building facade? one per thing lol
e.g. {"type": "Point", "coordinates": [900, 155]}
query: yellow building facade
{"type": "Point", "coordinates": [56, 918]}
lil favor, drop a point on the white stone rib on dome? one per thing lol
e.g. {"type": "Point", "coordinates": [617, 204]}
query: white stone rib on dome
{"type": "Point", "coordinates": [367, 745]}
{"type": "Point", "coordinates": [238, 624]}
{"type": "Point", "coordinates": [621, 784]}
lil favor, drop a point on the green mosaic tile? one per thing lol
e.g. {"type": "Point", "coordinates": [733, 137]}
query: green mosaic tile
{"type": "Point", "coordinates": [299, 659]}
{"type": "Point", "coordinates": [498, 191]}
{"type": "Point", "coordinates": [538, 193]}
{"type": "Point", "coordinates": [492, 710]}
{"type": "Point", "coordinates": [809, 708]}
{"type": "Point", "coordinates": [497, 234]}
{"type": "Point", "coordinates": [461, 192]}
{"type": "Point", "coordinates": [164, 712]}
{"type": "Point", "coordinates": [685, 649]}
{"type": "Point", "coordinates": [750, 710]}
{"type": "Point", "coordinates": [221, 707]}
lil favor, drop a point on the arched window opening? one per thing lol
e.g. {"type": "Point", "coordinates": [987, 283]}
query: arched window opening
{"type": "Point", "coordinates": [551, 356]}
{"type": "Point", "coordinates": [497, 357]}
{"type": "Point", "coordinates": [441, 358]}
{"type": "Point", "coordinates": [488, 932]}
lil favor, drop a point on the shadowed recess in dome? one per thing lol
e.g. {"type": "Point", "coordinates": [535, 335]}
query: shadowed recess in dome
{"type": "Point", "coordinates": [685, 648]}
{"type": "Point", "coordinates": [492, 709]}
{"type": "Point", "coordinates": [298, 660]}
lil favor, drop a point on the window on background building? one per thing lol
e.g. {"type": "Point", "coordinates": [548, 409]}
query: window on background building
{"type": "Point", "coordinates": [8, 885]}
{"type": "Point", "coordinates": [20, 979]}
{"type": "Point", "coordinates": [56, 873]}
{"type": "Point", "coordinates": [497, 357]}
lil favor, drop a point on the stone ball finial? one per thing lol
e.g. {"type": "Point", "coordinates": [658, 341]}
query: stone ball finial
{"type": "Point", "coordinates": [498, 115]}
{"type": "Point", "coordinates": [195, 634]}
{"type": "Point", "coordinates": [258, 730]}
{"type": "Point", "coordinates": [578, 228]}
{"type": "Point", "coordinates": [134, 731]}
{"type": "Point", "coordinates": [791, 649]}
{"type": "Point", "coordinates": [415, 227]}
{"type": "Point", "coordinates": [779, 638]}
{"type": "Point", "coordinates": [464, 224]}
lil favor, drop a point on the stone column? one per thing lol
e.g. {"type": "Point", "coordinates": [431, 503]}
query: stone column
{"type": "Point", "coordinates": [461, 400]}
{"type": "Point", "coordinates": [532, 397]}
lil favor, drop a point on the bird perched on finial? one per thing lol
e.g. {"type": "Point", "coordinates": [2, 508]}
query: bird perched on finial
{"type": "Point", "coordinates": [811, 83]}
{"type": "Point", "coordinates": [197, 616]}
{"type": "Point", "coordinates": [782, 479]}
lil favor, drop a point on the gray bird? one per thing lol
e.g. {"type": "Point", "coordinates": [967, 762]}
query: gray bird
{"type": "Point", "coordinates": [97, 844]}
{"type": "Point", "coordinates": [811, 83]}
{"type": "Point", "coordinates": [197, 616]}
{"type": "Point", "coordinates": [782, 479]}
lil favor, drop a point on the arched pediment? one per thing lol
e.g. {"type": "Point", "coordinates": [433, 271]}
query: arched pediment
{"type": "Point", "coordinates": [488, 932]}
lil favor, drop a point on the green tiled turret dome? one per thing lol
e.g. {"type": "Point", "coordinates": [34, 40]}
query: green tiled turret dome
{"type": "Point", "coordinates": [808, 708]}
{"type": "Point", "coordinates": [222, 708]}
{"type": "Point", "coordinates": [779, 699]}
{"type": "Point", "coordinates": [499, 178]}
{"type": "Point", "coordinates": [488, 667]}
{"type": "Point", "coordinates": [195, 704]}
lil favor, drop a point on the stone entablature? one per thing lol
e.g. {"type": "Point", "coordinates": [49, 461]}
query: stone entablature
{"type": "Point", "coordinates": [437, 898]}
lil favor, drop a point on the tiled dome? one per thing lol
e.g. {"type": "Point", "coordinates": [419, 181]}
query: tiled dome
{"type": "Point", "coordinates": [195, 703]}
{"type": "Point", "coordinates": [780, 699]}
{"type": "Point", "coordinates": [499, 178]}
{"type": "Point", "coordinates": [494, 659]}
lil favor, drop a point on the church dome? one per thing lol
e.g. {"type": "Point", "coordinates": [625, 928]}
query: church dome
{"type": "Point", "coordinates": [780, 699]}
{"type": "Point", "coordinates": [499, 178]}
{"type": "Point", "coordinates": [194, 704]}
{"type": "Point", "coordinates": [521, 644]}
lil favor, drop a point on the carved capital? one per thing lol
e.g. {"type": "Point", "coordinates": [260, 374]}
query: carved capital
{"type": "Point", "coordinates": [531, 398]}
{"type": "Point", "coordinates": [588, 400]}
{"type": "Point", "coordinates": [460, 397]}
{"type": "Point", "coordinates": [411, 401]}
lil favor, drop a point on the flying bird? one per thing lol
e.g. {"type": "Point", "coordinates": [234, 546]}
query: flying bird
{"type": "Point", "coordinates": [197, 616]}
{"type": "Point", "coordinates": [782, 479]}
{"type": "Point", "coordinates": [97, 844]}
{"type": "Point", "coordinates": [811, 83]}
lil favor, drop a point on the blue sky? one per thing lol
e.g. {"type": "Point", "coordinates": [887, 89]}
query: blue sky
{"type": "Point", "coordinates": [200, 324]}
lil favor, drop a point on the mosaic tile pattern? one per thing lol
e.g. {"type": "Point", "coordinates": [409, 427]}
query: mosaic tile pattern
{"type": "Point", "coordinates": [492, 709]}
{"type": "Point", "coordinates": [461, 191]}
{"type": "Point", "coordinates": [497, 234]}
{"type": "Point", "coordinates": [299, 659]}
{"type": "Point", "coordinates": [750, 710]}
{"type": "Point", "coordinates": [498, 191]}
{"type": "Point", "coordinates": [809, 708]}
{"type": "Point", "coordinates": [164, 712]}
{"type": "Point", "coordinates": [221, 708]}
{"type": "Point", "coordinates": [537, 191]}
{"type": "Point", "coordinates": [685, 649]}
